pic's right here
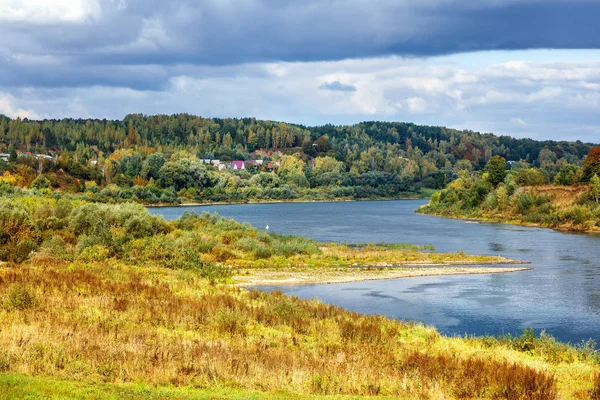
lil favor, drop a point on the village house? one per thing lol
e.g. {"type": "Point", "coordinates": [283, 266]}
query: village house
{"type": "Point", "coordinates": [208, 161]}
{"type": "Point", "coordinates": [238, 164]}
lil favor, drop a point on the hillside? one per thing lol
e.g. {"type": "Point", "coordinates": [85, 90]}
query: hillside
{"type": "Point", "coordinates": [185, 158]}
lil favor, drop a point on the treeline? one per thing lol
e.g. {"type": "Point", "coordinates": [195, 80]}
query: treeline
{"type": "Point", "coordinates": [524, 195]}
{"type": "Point", "coordinates": [163, 158]}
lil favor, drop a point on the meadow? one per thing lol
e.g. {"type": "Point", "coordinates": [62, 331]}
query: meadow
{"type": "Point", "coordinates": [110, 302]}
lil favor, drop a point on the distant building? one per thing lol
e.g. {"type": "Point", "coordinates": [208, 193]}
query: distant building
{"type": "Point", "coordinates": [238, 164]}
{"type": "Point", "coordinates": [255, 163]}
{"type": "Point", "coordinates": [208, 161]}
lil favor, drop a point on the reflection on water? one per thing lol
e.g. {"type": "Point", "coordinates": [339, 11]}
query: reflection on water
{"type": "Point", "coordinates": [561, 294]}
{"type": "Point", "coordinates": [497, 247]}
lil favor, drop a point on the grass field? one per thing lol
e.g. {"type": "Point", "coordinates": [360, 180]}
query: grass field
{"type": "Point", "coordinates": [111, 330]}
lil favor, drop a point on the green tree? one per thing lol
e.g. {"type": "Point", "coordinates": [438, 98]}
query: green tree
{"type": "Point", "coordinates": [13, 153]}
{"type": "Point", "coordinates": [595, 187]}
{"type": "Point", "coordinates": [328, 164]}
{"type": "Point", "coordinates": [568, 175]}
{"type": "Point", "coordinates": [496, 169]}
{"type": "Point", "coordinates": [291, 165]}
{"type": "Point", "coordinates": [151, 165]}
{"type": "Point", "coordinates": [182, 174]}
{"type": "Point", "coordinates": [227, 141]}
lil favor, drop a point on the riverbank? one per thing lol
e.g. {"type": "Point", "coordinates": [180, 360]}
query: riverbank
{"type": "Point", "coordinates": [258, 201]}
{"type": "Point", "coordinates": [271, 277]}
{"type": "Point", "coordinates": [475, 218]}
{"type": "Point", "coordinates": [563, 208]}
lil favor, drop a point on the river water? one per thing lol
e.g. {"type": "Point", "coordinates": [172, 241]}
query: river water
{"type": "Point", "coordinates": [561, 295]}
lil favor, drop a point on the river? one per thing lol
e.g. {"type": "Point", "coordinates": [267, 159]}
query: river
{"type": "Point", "coordinates": [561, 295]}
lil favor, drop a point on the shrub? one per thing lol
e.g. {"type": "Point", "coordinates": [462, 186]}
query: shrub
{"type": "Point", "coordinates": [579, 215]}
{"type": "Point", "coordinates": [56, 246]}
{"type": "Point", "coordinates": [41, 182]}
{"type": "Point", "coordinates": [87, 218]}
{"type": "Point", "coordinates": [17, 232]}
{"type": "Point", "coordinates": [20, 297]}
{"type": "Point", "coordinates": [230, 322]}
{"type": "Point", "coordinates": [99, 235]}
{"type": "Point", "coordinates": [524, 201]}
{"type": "Point", "coordinates": [94, 253]}
{"type": "Point", "coordinates": [140, 226]}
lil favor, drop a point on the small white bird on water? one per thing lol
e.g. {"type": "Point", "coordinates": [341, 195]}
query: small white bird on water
{"type": "Point", "coordinates": [267, 228]}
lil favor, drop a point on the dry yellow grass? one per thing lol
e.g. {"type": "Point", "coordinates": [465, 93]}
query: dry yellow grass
{"type": "Point", "coordinates": [110, 322]}
{"type": "Point", "coordinates": [562, 196]}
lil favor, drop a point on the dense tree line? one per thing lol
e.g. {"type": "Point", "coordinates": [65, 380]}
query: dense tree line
{"type": "Point", "coordinates": [159, 158]}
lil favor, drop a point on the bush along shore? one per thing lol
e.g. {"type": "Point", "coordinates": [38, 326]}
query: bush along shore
{"type": "Point", "coordinates": [522, 196]}
{"type": "Point", "coordinates": [108, 301]}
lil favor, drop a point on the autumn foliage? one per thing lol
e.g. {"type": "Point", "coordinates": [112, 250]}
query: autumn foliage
{"type": "Point", "coordinates": [591, 164]}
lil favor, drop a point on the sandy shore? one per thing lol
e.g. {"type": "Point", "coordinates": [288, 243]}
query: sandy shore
{"type": "Point", "coordinates": [346, 275]}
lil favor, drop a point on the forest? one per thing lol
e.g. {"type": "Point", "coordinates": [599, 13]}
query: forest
{"type": "Point", "coordinates": [184, 158]}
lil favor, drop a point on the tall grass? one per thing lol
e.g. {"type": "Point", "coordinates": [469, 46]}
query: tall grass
{"type": "Point", "coordinates": [110, 322]}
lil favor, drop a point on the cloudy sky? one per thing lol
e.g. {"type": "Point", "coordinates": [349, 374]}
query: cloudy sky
{"type": "Point", "coordinates": [527, 68]}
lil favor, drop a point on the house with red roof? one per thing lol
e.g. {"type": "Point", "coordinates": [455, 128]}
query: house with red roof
{"type": "Point", "coordinates": [238, 164]}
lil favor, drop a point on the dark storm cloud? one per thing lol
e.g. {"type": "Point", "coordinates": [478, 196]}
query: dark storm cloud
{"type": "Point", "coordinates": [337, 86]}
{"type": "Point", "coordinates": [228, 32]}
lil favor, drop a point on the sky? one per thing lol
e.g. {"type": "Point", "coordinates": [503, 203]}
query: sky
{"type": "Point", "coordinates": [525, 68]}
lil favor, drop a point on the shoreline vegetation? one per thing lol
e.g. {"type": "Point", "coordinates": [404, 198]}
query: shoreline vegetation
{"type": "Point", "coordinates": [523, 197]}
{"type": "Point", "coordinates": [423, 196]}
{"type": "Point", "coordinates": [553, 207]}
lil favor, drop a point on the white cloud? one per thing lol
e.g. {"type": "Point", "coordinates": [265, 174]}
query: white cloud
{"type": "Point", "coordinates": [416, 105]}
{"type": "Point", "coordinates": [49, 11]}
{"type": "Point", "coordinates": [8, 108]}
{"type": "Point", "coordinates": [518, 121]}
{"type": "Point", "coordinates": [436, 92]}
{"type": "Point", "coordinates": [152, 36]}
